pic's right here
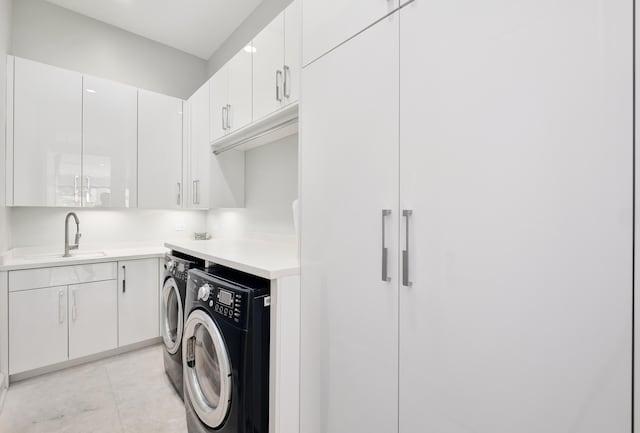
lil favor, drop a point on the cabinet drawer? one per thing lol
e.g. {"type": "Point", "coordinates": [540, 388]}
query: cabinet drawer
{"type": "Point", "coordinates": [61, 276]}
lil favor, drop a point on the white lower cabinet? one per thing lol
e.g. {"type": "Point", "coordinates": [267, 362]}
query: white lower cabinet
{"type": "Point", "coordinates": [93, 310]}
{"type": "Point", "coordinates": [37, 328]}
{"type": "Point", "coordinates": [93, 318]}
{"type": "Point", "coordinates": [138, 311]}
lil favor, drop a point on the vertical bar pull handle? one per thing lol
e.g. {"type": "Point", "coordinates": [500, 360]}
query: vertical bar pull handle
{"type": "Point", "coordinates": [76, 193]}
{"type": "Point", "coordinates": [385, 250]}
{"type": "Point", "coordinates": [179, 200]}
{"type": "Point", "coordinates": [278, 81]}
{"type": "Point", "coordinates": [74, 308]}
{"type": "Point", "coordinates": [406, 213]}
{"type": "Point", "coordinates": [224, 118]}
{"type": "Point", "coordinates": [228, 111]}
{"type": "Point", "coordinates": [60, 307]}
{"type": "Point", "coordinates": [287, 86]}
{"type": "Point", "coordinates": [124, 279]}
{"type": "Point", "coordinates": [88, 192]}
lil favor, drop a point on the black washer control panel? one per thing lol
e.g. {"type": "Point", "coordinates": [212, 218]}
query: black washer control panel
{"type": "Point", "coordinates": [229, 304]}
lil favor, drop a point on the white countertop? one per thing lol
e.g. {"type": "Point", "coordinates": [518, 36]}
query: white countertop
{"type": "Point", "coordinates": [271, 259]}
{"type": "Point", "coordinates": [30, 258]}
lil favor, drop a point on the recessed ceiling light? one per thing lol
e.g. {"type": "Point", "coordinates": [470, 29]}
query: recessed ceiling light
{"type": "Point", "coordinates": [250, 49]}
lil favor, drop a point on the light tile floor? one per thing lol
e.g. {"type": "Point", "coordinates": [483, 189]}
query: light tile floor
{"type": "Point", "coordinates": [129, 393]}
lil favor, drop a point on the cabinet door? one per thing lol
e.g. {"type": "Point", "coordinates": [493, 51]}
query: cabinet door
{"type": "Point", "coordinates": [328, 23]}
{"type": "Point", "coordinates": [109, 150]}
{"type": "Point", "coordinates": [240, 91]}
{"type": "Point", "coordinates": [268, 64]}
{"type": "Point", "coordinates": [47, 135]}
{"type": "Point", "coordinates": [292, 50]}
{"type": "Point", "coordinates": [219, 99]}
{"type": "Point", "coordinates": [93, 318]}
{"type": "Point", "coordinates": [37, 328]}
{"type": "Point", "coordinates": [138, 296]}
{"type": "Point", "coordinates": [349, 314]}
{"type": "Point", "coordinates": [200, 153]}
{"type": "Point", "coordinates": [519, 176]}
{"type": "Point", "coordinates": [159, 151]}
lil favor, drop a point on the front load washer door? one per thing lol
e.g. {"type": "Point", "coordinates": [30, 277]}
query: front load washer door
{"type": "Point", "coordinates": [207, 369]}
{"type": "Point", "coordinates": [172, 316]}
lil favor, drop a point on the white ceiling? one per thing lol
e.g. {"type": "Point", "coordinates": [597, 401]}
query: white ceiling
{"type": "Point", "coordinates": [197, 27]}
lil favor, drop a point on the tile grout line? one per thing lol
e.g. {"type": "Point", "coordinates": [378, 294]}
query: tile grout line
{"type": "Point", "coordinates": [115, 401]}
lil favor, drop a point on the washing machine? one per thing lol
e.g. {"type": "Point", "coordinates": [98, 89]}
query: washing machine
{"type": "Point", "coordinates": [226, 352]}
{"type": "Point", "coordinates": [176, 268]}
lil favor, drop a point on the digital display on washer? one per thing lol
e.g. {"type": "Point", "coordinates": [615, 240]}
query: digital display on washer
{"type": "Point", "coordinates": [225, 297]}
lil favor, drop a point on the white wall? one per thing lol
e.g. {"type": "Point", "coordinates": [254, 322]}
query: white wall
{"type": "Point", "coordinates": [251, 26]}
{"type": "Point", "coordinates": [271, 185]}
{"type": "Point", "coordinates": [54, 35]}
{"type": "Point", "coordinates": [5, 36]}
{"type": "Point", "coordinates": [101, 227]}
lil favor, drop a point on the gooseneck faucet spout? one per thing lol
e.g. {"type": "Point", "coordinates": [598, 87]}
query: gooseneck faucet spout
{"type": "Point", "coordinates": [76, 244]}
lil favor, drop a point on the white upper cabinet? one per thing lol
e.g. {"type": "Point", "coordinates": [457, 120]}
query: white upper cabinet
{"type": "Point", "coordinates": [268, 64]}
{"type": "Point", "coordinates": [292, 51]}
{"type": "Point", "coordinates": [219, 98]}
{"type": "Point", "coordinates": [240, 91]}
{"type": "Point", "coordinates": [200, 154]}
{"type": "Point", "coordinates": [160, 182]}
{"type": "Point", "coordinates": [231, 96]}
{"type": "Point", "coordinates": [328, 23]}
{"type": "Point", "coordinates": [47, 135]}
{"type": "Point", "coordinates": [277, 62]}
{"type": "Point", "coordinates": [109, 151]}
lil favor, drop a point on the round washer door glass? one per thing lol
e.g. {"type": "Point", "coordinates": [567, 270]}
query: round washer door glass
{"type": "Point", "coordinates": [207, 369]}
{"type": "Point", "coordinates": [172, 316]}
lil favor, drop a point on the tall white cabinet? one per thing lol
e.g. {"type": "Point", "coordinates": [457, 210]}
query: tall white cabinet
{"type": "Point", "coordinates": [109, 145]}
{"type": "Point", "coordinates": [349, 314]}
{"type": "Point", "coordinates": [519, 176]}
{"type": "Point", "coordinates": [509, 237]}
{"type": "Point", "coordinates": [160, 151]}
{"type": "Point", "coordinates": [46, 145]}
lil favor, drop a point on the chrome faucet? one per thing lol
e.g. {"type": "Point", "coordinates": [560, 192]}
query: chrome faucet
{"type": "Point", "coordinates": [75, 246]}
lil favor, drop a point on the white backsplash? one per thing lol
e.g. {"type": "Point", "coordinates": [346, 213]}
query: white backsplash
{"type": "Point", "coordinates": [102, 228]}
{"type": "Point", "coordinates": [271, 186]}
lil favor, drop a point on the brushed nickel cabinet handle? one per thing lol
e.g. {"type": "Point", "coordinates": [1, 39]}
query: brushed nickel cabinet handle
{"type": "Point", "coordinates": [278, 81]}
{"type": "Point", "coordinates": [406, 213]}
{"type": "Point", "coordinates": [287, 75]}
{"type": "Point", "coordinates": [60, 307]}
{"type": "Point", "coordinates": [385, 250]}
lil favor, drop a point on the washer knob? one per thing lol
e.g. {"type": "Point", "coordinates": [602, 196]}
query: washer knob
{"type": "Point", "coordinates": [204, 292]}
